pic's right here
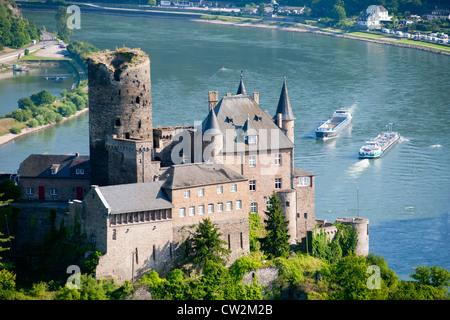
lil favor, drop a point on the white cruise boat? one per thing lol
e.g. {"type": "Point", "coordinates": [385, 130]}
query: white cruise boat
{"type": "Point", "coordinates": [340, 119]}
{"type": "Point", "coordinates": [380, 145]}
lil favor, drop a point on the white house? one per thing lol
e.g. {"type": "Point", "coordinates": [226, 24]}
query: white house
{"type": "Point", "coordinates": [372, 17]}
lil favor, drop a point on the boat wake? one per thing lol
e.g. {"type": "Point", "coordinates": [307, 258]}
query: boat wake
{"type": "Point", "coordinates": [355, 170]}
{"type": "Point", "coordinates": [436, 145]}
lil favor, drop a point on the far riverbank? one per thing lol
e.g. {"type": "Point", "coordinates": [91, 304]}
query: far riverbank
{"type": "Point", "coordinates": [281, 24]}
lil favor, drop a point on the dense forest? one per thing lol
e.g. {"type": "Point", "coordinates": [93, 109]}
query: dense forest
{"type": "Point", "coordinates": [15, 31]}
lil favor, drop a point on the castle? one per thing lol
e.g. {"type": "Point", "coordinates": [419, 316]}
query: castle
{"type": "Point", "coordinates": [149, 187]}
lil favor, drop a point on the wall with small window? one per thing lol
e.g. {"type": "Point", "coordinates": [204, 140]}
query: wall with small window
{"type": "Point", "coordinates": [216, 202]}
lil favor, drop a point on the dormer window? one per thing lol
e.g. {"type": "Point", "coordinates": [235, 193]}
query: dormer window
{"type": "Point", "coordinates": [54, 169]}
{"type": "Point", "coordinates": [79, 171]}
{"type": "Point", "coordinates": [251, 139]}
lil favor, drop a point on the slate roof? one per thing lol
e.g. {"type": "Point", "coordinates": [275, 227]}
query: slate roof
{"type": "Point", "coordinates": [40, 166]}
{"type": "Point", "coordinates": [302, 173]}
{"type": "Point", "coordinates": [211, 125]}
{"type": "Point", "coordinates": [241, 88]}
{"type": "Point", "coordinates": [198, 174]}
{"type": "Point", "coordinates": [284, 105]}
{"type": "Point", "coordinates": [134, 197]}
{"type": "Point", "coordinates": [232, 113]}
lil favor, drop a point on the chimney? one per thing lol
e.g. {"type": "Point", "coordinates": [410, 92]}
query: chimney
{"type": "Point", "coordinates": [256, 97]}
{"type": "Point", "coordinates": [229, 94]}
{"type": "Point", "coordinates": [213, 99]}
{"type": "Point", "coordinates": [279, 120]}
{"type": "Point", "coordinates": [77, 155]}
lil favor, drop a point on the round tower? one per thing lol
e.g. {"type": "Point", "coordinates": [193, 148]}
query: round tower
{"type": "Point", "coordinates": [120, 103]}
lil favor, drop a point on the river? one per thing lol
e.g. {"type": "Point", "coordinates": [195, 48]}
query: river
{"type": "Point", "coordinates": [405, 194]}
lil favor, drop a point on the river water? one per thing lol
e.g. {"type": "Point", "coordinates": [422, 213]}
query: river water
{"type": "Point", "coordinates": [405, 194]}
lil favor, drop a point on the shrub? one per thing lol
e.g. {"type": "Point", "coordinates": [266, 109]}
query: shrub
{"type": "Point", "coordinates": [15, 130]}
{"type": "Point", "coordinates": [32, 123]}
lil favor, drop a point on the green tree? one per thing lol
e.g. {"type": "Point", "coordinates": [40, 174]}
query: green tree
{"type": "Point", "coordinates": [349, 277]}
{"type": "Point", "coordinates": [26, 104]}
{"type": "Point", "coordinates": [338, 13]}
{"type": "Point", "coordinates": [152, 3]}
{"type": "Point", "coordinates": [433, 276]}
{"type": "Point", "coordinates": [256, 231]}
{"type": "Point", "coordinates": [9, 191]}
{"type": "Point", "coordinates": [261, 9]}
{"type": "Point", "coordinates": [276, 242]}
{"type": "Point", "coordinates": [43, 97]}
{"type": "Point", "coordinates": [205, 245]}
{"type": "Point", "coordinates": [63, 31]}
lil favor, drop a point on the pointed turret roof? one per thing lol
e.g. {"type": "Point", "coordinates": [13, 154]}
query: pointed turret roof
{"type": "Point", "coordinates": [241, 88]}
{"type": "Point", "coordinates": [211, 126]}
{"type": "Point", "coordinates": [284, 104]}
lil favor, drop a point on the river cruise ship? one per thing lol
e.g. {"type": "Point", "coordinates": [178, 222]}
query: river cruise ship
{"type": "Point", "coordinates": [380, 145]}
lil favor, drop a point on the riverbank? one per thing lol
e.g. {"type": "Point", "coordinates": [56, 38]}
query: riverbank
{"type": "Point", "coordinates": [6, 138]}
{"type": "Point", "coordinates": [298, 27]}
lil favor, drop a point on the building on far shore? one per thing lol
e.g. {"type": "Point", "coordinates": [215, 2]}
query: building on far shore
{"type": "Point", "coordinates": [373, 17]}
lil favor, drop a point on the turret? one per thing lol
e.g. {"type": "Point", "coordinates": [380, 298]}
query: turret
{"type": "Point", "coordinates": [284, 117]}
{"type": "Point", "coordinates": [212, 138]}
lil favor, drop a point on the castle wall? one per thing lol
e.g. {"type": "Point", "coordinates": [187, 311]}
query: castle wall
{"type": "Point", "coordinates": [263, 173]}
{"type": "Point", "coordinates": [361, 225]}
{"type": "Point", "coordinates": [305, 208]}
{"type": "Point", "coordinates": [66, 188]}
{"type": "Point", "coordinates": [233, 224]}
{"type": "Point", "coordinates": [131, 160]}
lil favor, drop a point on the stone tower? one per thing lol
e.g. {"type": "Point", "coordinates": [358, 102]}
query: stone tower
{"type": "Point", "coordinates": [120, 116]}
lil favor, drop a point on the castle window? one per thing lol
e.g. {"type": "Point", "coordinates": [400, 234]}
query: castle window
{"type": "Point", "coordinates": [130, 217]}
{"type": "Point", "coordinates": [278, 159]}
{"type": "Point", "coordinates": [229, 205]}
{"type": "Point", "coordinates": [238, 204]}
{"type": "Point", "coordinates": [233, 188]}
{"type": "Point", "coordinates": [138, 100]}
{"type": "Point", "coordinates": [254, 207]}
{"type": "Point", "coordinates": [210, 208]}
{"type": "Point", "coordinates": [305, 215]}
{"type": "Point", "coordinates": [187, 194]}
{"type": "Point", "coordinates": [201, 192]}
{"type": "Point", "coordinates": [79, 171]}
{"type": "Point", "coordinates": [278, 183]}
{"type": "Point", "coordinates": [191, 210]}
{"type": "Point", "coordinates": [114, 235]}
{"type": "Point", "coordinates": [220, 207]}
{"type": "Point", "coordinates": [288, 203]}
{"type": "Point", "coordinates": [303, 181]}
{"type": "Point", "coordinates": [201, 209]}
{"type": "Point", "coordinates": [219, 189]}
{"type": "Point", "coordinates": [252, 161]}
{"type": "Point", "coordinates": [29, 190]}
{"type": "Point", "coordinates": [53, 191]}
{"type": "Point", "coordinates": [252, 185]}
{"type": "Point", "coordinates": [182, 212]}
{"type": "Point", "coordinates": [118, 122]}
